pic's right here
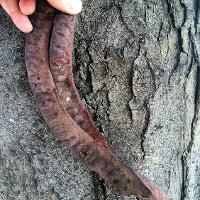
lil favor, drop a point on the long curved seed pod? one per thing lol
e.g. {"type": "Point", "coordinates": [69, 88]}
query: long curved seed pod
{"type": "Point", "coordinates": [98, 158]}
{"type": "Point", "coordinates": [61, 68]}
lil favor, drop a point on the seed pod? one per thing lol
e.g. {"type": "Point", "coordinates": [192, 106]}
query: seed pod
{"type": "Point", "coordinates": [61, 68]}
{"type": "Point", "coordinates": [86, 144]}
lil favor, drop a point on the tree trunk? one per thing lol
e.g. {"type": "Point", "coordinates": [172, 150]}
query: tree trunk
{"type": "Point", "coordinates": [136, 64]}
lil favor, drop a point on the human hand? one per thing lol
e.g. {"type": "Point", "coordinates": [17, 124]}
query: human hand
{"type": "Point", "coordinates": [19, 10]}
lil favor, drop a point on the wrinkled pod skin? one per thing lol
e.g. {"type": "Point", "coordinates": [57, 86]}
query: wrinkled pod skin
{"type": "Point", "coordinates": [61, 106]}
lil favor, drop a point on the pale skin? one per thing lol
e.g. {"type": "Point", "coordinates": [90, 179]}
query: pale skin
{"type": "Point", "coordinates": [19, 10]}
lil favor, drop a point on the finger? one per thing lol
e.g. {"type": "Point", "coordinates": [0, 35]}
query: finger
{"type": "Point", "coordinates": [19, 19]}
{"type": "Point", "coordinates": [27, 7]}
{"type": "Point", "coordinates": [22, 22]}
{"type": "Point", "coordinates": [71, 7]}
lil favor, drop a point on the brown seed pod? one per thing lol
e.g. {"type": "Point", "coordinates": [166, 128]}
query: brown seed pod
{"type": "Point", "coordinates": [51, 93]}
{"type": "Point", "coordinates": [61, 68]}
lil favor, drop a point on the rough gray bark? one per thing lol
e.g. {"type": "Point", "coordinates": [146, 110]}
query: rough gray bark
{"type": "Point", "coordinates": [136, 63]}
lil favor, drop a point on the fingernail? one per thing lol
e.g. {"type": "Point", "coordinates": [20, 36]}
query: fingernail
{"type": "Point", "coordinates": [73, 6]}
{"type": "Point", "coordinates": [29, 27]}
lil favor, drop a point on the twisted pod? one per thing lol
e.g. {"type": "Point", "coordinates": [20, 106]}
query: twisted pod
{"type": "Point", "coordinates": [49, 67]}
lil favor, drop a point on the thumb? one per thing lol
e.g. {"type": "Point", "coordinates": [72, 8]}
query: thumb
{"type": "Point", "coordinates": [71, 7]}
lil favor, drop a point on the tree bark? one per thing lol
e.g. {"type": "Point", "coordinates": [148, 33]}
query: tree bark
{"type": "Point", "coordinates": [136, 65]}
